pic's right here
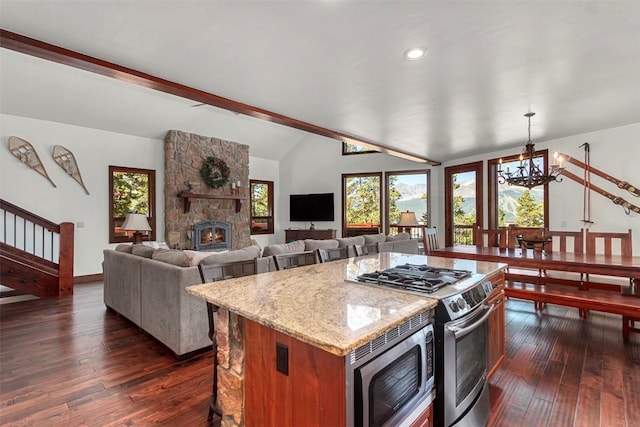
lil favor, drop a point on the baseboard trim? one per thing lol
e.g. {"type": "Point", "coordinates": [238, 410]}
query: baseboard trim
{"type": "Point", "coordinates": [89, 278]}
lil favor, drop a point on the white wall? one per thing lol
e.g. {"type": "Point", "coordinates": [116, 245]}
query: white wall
{"type": "Point", "coordinates": [266, 170]}
{"type": "Point", "coordinates": [316, 165]}
{"type": "Point", "coordinates": [94, 150]}
{"type": "Point", "coordinates": [614, 151]}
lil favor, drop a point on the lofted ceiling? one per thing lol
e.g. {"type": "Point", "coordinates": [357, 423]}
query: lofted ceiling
{"type": "Point", "coordinates": [336, 64]}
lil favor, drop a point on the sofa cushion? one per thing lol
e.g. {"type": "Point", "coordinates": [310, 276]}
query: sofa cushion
{"type": "Point", "coordinates": [196, 256]}
{"type": "Point", "coordinates": [143, 251]}
{"type": "Point", "coordinates": [172, 256]}
{"type": "Point", "coordinates": [398, 237]}
{"type": "Point", "coordinates": [284, 248]}
{"type": "Point", "coordinates": [244, 254]}
{"type": "Point", "coordinates": [374, 238]}
{"type": "Point", "coordinates": [313, 244]}
{"type": "Point", "coordinates": [350, 241]}
{"type": "Point", "coordinates": [124, 247]}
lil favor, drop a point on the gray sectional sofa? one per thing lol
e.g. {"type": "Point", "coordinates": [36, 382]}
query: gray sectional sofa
{"type": "Point", "coordinates": [147, 285]}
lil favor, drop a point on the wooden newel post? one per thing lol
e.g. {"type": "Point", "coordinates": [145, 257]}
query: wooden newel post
{"type": "Point", "coordinates": [65, 261]}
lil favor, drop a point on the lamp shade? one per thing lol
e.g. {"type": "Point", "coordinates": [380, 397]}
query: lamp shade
{"type": "Point", "coordinates": [136, 222]}
{"type": "Point", "coordinates": [408, 219]}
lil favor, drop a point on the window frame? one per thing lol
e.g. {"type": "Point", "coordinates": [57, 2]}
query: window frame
{"type": "Point", "coordinates": [449, 171]}
{"type": "Point", "coordinates": [151, 205]}
{"type": "Point", "coordinates": [345, 151]}
{"type": "Point", "coordinates": [346, 176]}
{"type": "Point", "coordinates": [387, 175]}
{"type": "Point", "coordinates": [270, 207]}
{"type": "Point", "coordinates": [492, 186]}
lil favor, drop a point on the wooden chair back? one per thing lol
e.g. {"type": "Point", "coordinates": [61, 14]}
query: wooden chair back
{"type": "Point", "coordinates": [298, 259]}
{"type": "Point", "coordinates": [229, 270]}
{"type": "Point", "coordinates": [608, 242]}
{"type": "Point", "coordinates": [429, 239]}
{"type": "Point", "coordinates": [361, 250]}
{"type": "Point", "coordinates": [566, 241]}
{"type": "Point", "coordinates": [516, 232]}
{"type": "Point", "coordinates": [491, 237]}
{"type": "Point", "coordinates": [325, 255]}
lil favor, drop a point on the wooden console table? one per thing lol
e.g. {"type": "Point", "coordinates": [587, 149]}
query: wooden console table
{"type": "Point", "coordinates": [290, 235]}
{"type": "Point", "coordinates": [188, 196]}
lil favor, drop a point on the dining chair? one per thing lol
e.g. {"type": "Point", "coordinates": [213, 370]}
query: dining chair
{"type": "Point", "coordinates": [429, 240]}
{"type": "Point", "coordinates": [610, 244]}
{"type": "Point", "coordinates": [367, 249]}
{"type": "Point", "coordinates": [325, 255]}
{"type": "Point", "coordinates": [214, 273]}
{"type": "Point", "coordinates": [293, 260]}
{"type": "Point", "coordinates": [491, 237]}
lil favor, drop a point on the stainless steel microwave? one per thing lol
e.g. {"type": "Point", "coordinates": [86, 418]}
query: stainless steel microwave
{"type": "Point", "coordinates": [391, 385]}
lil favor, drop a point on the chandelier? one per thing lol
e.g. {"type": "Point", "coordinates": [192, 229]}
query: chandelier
{"type": "Point", "coordinates": [528, 173]}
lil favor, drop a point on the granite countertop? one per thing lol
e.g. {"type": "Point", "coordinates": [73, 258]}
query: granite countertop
{"type": "Point", "coordinates": [317, 304]}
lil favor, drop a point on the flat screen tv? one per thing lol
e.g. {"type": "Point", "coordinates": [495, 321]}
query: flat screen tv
{"type": "Point", "coordinates": [311, 207]}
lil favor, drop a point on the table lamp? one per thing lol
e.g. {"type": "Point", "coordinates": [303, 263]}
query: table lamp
{"type": "Point", "coordinates": [136, 222]}
{"type": "Point", "coordinates": [408, 220]}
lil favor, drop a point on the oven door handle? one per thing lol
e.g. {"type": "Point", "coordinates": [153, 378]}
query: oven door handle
{"type": "Point", "coordinates": [460, 332]}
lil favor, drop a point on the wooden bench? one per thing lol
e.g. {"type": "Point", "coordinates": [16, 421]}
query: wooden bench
{"type": "Point", "coordinates": [564, 275]}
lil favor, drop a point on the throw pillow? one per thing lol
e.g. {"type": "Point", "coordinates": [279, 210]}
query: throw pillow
{"type": "Point", "coordinates": [196, 256]}
{"type": "Point", "coordinates": [124, 247]}
{"type": "Point", "coordinates": [350, 241]}
{"type": "Point", "coordinates": [250, 252]}
{"type": "Point", "coordinates": [374, 238]}
{"type": "Point", "coordinates": [143, 251]}
{"type": "Point", "coordinates": [398, 237]}
{"type": "Point", "coordinates": [312, 244]}
{"type": "Point", "coordinates": [171, 256]}
{"type": "Point", "coordinates": [284, 248]}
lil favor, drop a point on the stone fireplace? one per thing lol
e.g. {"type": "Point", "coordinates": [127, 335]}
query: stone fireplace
{"type": "Point", "coordinates": [185, 154]}
{"type": "Point", "coordinates": [211, 235]}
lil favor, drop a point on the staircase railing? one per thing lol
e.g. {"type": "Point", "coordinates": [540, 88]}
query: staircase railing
{"type": "Point", "coordinates": [37, 254]}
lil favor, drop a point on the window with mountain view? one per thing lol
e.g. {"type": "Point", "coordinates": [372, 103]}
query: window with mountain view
{"type": "Point", "coordinates": [407, 191]}
{"type": "Point", "coordinates": [517, 205]}
{"type": "Point", "coordinates": [463, 203]}
{"type": "Point", "coordinates": [361, 196]}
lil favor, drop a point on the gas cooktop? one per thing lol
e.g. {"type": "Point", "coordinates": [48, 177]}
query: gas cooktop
{"type": "Point", "coordinates": [415, 278]}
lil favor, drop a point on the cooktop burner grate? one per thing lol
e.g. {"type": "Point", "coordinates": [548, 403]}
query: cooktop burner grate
{"type": "Point", "coordinates": [417, 278]}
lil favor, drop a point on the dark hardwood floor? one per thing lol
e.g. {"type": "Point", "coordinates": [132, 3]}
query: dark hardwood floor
{"type": "Point", "coordinates": [70, 362]}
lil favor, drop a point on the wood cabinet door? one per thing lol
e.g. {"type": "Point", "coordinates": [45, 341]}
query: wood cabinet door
{"type": "Point", "coordinates": [496, 346]}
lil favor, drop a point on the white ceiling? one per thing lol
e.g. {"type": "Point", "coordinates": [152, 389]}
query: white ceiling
{"type": "Point", "coordinates": [337, 64]}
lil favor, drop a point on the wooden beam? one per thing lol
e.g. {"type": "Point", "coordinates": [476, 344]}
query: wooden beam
{"type": "Point", "coordinates": [60, 55]}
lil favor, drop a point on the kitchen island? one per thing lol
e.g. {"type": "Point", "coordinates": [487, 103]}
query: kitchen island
{"type": "Point", "coordinates": [319, 316]}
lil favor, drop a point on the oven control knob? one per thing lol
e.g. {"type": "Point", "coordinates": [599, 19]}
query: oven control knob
{"type": "Point", "coordinates": [454, 306]}
{"type": "Point", "coordinates": [461, 303]}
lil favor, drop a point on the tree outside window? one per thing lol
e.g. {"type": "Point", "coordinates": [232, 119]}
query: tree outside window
{"type": "Point", "coordinates": [407, 191]}
{"type": "Point", "coordinates": [262, 207]}
{"type": "Point", "coordinates": [131, 190]}
{"type": "Point", "coordinates": [517, 205]}
{"type": "Point", "coordinates": [361, 203]}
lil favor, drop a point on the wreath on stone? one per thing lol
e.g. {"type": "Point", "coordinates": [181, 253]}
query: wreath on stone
{"type": "Point", "coordinates": [214, 172]}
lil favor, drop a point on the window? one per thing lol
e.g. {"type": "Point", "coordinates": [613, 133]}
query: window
{"type": "Point", "coordinates": [463, 203]}
{"type": "Point", "coordinates": [130, 191]}
{"type": "Point", "coordinates": [261, 207]}
{"type": "Point", "coordinates": [361, 195]}
{"type": "Point", "coordinates": [407, 191]}
{"type": "Point", "coordinates": [355, 149]}
{"type": "Point", "coordinates": [517, 205]}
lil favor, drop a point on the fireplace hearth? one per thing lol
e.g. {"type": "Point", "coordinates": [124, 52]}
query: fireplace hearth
{"type": "Point", "coordinates": [212, 235]}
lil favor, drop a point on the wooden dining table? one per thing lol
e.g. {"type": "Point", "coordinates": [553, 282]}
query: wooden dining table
{"type": "Point", "coordinates": [614, 265]}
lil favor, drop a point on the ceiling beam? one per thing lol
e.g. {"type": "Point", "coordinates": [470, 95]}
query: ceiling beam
{"type": "Point", "coordinates": [60, 55]}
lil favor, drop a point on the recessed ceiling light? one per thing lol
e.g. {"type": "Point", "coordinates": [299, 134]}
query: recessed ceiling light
{"type": "Point", "coordinates": [415, 53]}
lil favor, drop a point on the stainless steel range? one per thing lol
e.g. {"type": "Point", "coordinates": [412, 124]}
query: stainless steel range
{"type": "Point", "coordinates": [462, 397]}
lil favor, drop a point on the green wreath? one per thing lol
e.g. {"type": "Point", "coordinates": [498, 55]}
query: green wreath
{"type": "Point", "coordinates": [214, 172]}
